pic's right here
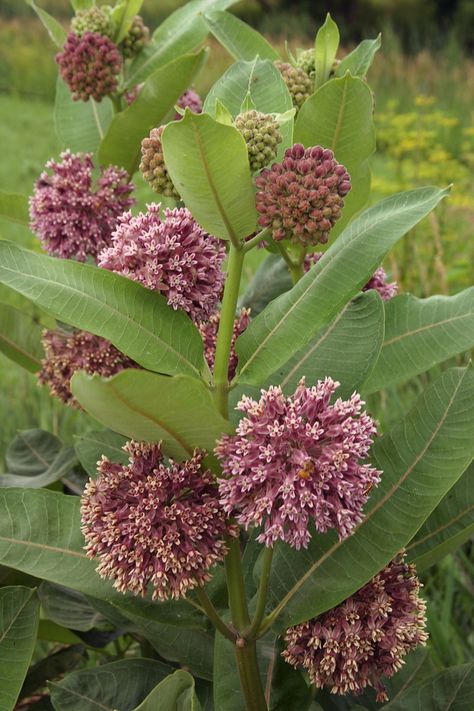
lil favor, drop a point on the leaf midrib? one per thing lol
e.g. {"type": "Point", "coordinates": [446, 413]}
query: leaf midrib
{"type": "Point", "coordinates": [434, 533]}
{"type": "Point", "coordinates": [73, 692]}
{"type": "Point", "coordinates": [20, 610]}
{"type": "Point", "coordinates": [427, 327]}
{"type": "Point", "coordinates": [14, 346]}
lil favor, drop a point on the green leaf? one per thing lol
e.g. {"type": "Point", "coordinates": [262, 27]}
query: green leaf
{"type": "Point", "coordinates": [55, 30]}
{"type": "Point", "coordinates": [91, 446]}
{"type": "Point", "coordinates": [51, 632]}
{"type": "Point", "coordinates": [122, 15]}
{"type": "Point", "coordinates": [193, 149]}
{"type": "Point", "coordinates": [145, 406]}
{"type": "Point", "coordinates": [339, 116]}
{"type": "Point", "coordinates": [121, 144]}
{"type": "Point", "coordinates": [136, 320]}
{"type": "Point", "coordinates": [419, 333]}
{"type": "Point", "coordinates": [69, 608]}
{"type": "Point", "coordinates": [80, 125]}
{"type": "Point", "coordinates": [452, 688]}
{"type": "Point", "coordinates": [56, 664]}
{"type": "Point", "coordinates": [271, 279]}
{"type": "Point", "coordinates": [293, 319]}
{"type": "Point", "coordinates": [82, 4]}
{"type": "Point", "coordinates": [62, 464]}
{"type": "Point", "coordinates": [19, 616]}
{"type": "Point", "coordinates": [175, 693]}
{"type": "Point", "coordinates": [14, 208]}
{"type": "Point", "coordinates": [20, 338]}
{"type": "Point", "coordinates": [118, 686]}
{"type": "Point", "coordinates": [181, 32]}
{"type": "Point", "coordinates": [448, 527]}
{"type": "Point", "coordinates": [358, 61]}
{"type": "Point", "coordinates": [40, 534]}
{"type": "Point", "coordinates": [325, 50]}
{"type": "Point", "coordinates": [421, 459]}
{"type": "Point", "coordinates": [239, 39]}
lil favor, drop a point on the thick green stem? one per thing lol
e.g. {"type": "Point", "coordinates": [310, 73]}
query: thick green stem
{"type": "Point", "coordinates": [260, 237]}
{"type": "Point", "coordinates": [213, 615]}
{"type": "Point", "coordinates": [295, 268]}
{"type": "Point", "coordinates": [226, 328]}
{"type": "Point", "coordinates": [262, 594]}
{"type": "Point", "coordinates": [247, 664]}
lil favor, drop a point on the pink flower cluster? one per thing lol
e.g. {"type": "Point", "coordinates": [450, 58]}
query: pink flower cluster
{"type": "Point", "coordinates": [296, 460]}
{"type": "Point", "coordinates": [71, 217]}
{"type": "Point", "coordinates": [66, 353]}
{"type": "Point", "coordinates": [378, 281]}
{"type": "Point", "coordinates": [189, 100]}
{"type": "Point", "coordinates": [208, 330]}
{"type": "Point", "coordinates": [154, 525]}
{"type": "Point", "coordinates": [173, 256]}
{"type": "Point", "coordinates": [301, 198]}
{"type": "Point", "coordinates": [366, 637]}
{"type": "Point", "coordinates": [89, 65]}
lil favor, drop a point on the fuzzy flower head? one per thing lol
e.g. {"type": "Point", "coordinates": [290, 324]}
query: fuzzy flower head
{"type": "Point", "coordinates": [89, 65]}
{"type": "Point", "coordinates": [262, 135]}
{"type": "Point", "coordinates": [296, 460]}
{"type": "Point", "coordinates": [95, 19]}
{"type": "Point", "coordinates": [153, 166]}
{"type": "Point", "coordinates": [208, 330]}
{"type": "Point", "coordinates": [189, 100]}
{"type": "Point", "coordinates": [366, 637]}
{"type": "Point", "coordinates": [136, 38]}
{"type": "Point", "coordinates": [72, 217]}
{"type": "Point", "coordinates": [306, 62]}
{"type": "Point", "coordinates": [378, 281]}
{"type": "Point", "coordinates": [174, 256]}
{"type": "Point", "coordinates": [298, 83]}
{"type": "Point", "coordinates": [66, 353]}
{"type": "Point", "coordinates": [301, 198]}
{"type": "Point", "coordinates": [154, 525]}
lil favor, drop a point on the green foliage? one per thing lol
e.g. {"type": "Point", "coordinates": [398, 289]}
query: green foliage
{"type": "Point", "coordinates": [176, 691]}
{"type": "Point", "coordinates": [35, 459]}
{"type": "Point", "coordinates": [240, 40]}
{"type": "Point", "coordinates": [20, 338]}
{"type": "Point", "coordinates": [325, 50]}
{"type": "Point", "coordinates": [451, 688]}
{"type": "Point", "coordinates": [55, 30]}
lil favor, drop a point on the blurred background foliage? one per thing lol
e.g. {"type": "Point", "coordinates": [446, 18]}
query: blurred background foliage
{"type": "Point", "coordinates": [423, 83]}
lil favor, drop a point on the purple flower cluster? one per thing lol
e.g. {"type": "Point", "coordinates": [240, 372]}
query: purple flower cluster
{"type": "Point", "coordinates": [189, 100]}
{"type": "Point", "coordinates": [296, 460]}
{"type": "Point", "coordinates": [66, 353]}
{"type": "Point", "coordinates": [71, 217]}
{"type": "Point", "coordinates": [174, 256]}
{"type": "Point", "coordinates": [153, 524]}
{"type": "Point", "coordinates": [209, 329]}
{"type": "Point", "coordinates": [364, 638]}
{"type": "Point", "coordinates": [89, 65]}
{"type": "Point", "coordinates": [298, 83]}
{"type": "Point", "coordinates": [301, 198]}
{"type": "Point", "coordinates": [378, 281]}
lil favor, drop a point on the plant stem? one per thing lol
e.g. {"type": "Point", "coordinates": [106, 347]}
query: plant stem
{"type": "Point", "coordinates": [295, 269]}
{"type": "Point", "coordinates": [226, 328]}
{"type": "Point", "coordinates": [262, 594]}
{"type": "Point", "coordinates": [251, 243]}
{"type": "Point", "coordinates": [116, 103]}
{"type": "Point", "coordinates": [213, 615]}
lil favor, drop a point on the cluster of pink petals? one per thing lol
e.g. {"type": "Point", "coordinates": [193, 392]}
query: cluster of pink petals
{"type": "Point", "coordinates": [89, 65]}
{"type": "Point", "coordinates": [378, 281]}
{"type": "Point", "coordinates": [174, 256]}
{"type": "Point", "coordinates": [296, 460]}
{"type": "Point", "coordinates": [301, 198]}
{"type": "Point", "coordinates": [66, 353]}
{"type": "Point", "coordinates": [366, 637]}
{"type": "Point", "coordinates": [154, 525]}
{"type": "Point", "coordinates": [189, 100]}
{"type": "Point", "coordinates": [209, 329]}
{"type": "Point", "coordinates": [72, 217]}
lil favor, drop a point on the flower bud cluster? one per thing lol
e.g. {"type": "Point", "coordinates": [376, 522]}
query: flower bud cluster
{"type": "Point", "coordinates": [89, 65]}
{"type": "Point", "coordinates": [95, 19]}
{"type": "Point", "coordinates": [306, 62]}
{"type": "Point", "coordinates": [153, 166]}
{"type": "Point", "coordinates": [364, 638]}
{"type": "Point", "coordinates": [262, 135]}
{"type": "Point", "coordinates": [298, 83]}
{"type": "Point", "coordinates": [136, 38]}
{"type": "Point", "coordinates": [189, 100]}
{"type": "Point", "coordinates": [301, 198]}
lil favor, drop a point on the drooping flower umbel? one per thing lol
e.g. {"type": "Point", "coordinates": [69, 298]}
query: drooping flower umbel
{"type": "Point", "coordinates": [208, 330]}
{"type": "Point", "coordinates": [173, 255]}
{"type": "Point", "coordinates": [296, 460]}
{"type": "Point", "coordinates": [154, 525]}
{"type": "Point", "coordinates": [153, 166]}
{"type": "Point", "coordinates": [262, 135]}
{"type": "Point", "coordinates": [378, 281]}
{"type": "Point", "coordinates": [66, 353]}
{"type": "Point", "coordinates": [189, 100]}
{"type": "Point", "coordinates": [89, 65]}
{"type": "Point", "coordinates": [301, 198]}
{"type": "Point", "coordinates": [298, 83]}
{"type": "Point", "coordinates": [136, 38]}
{"type": "Point", "coordinates": [364, 638]}
{"type": "Point", "coordinates": [72, 217]}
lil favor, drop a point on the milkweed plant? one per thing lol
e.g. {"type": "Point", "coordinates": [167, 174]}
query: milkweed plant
{"type": "Point", "coordinates": [236, 530]}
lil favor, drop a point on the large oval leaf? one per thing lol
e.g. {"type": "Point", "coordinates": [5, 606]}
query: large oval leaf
{"type": "Point", "coordinates": [193, 148]}
{"type": "Point", "coordinates": [175, 692]}
{"type": "Point", "coordinates": [20, 338]}
{"type": "Point", "coordinates": [179, 411]}
{"type": "Point", "coordinates": [91, 446]}
{"type": "Point", "coordinates": [293, 319]}
{"type": "Point", "coordinates": [421, 459]}
{"type": "Point", "coordinates": [358, 61]}
{"type": "Point", "coordinates": [19, 617]}
{"type": "Point", "coordinates": [419, 333]}
{"type": "Point", "coordinates": [136, 320]}
{"type": "Point", "coordinates": [239, 39]}
{"type": "Point", "coordinates": [450, 689]}
{"type": "Point", "coordinates": [36, 458]}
